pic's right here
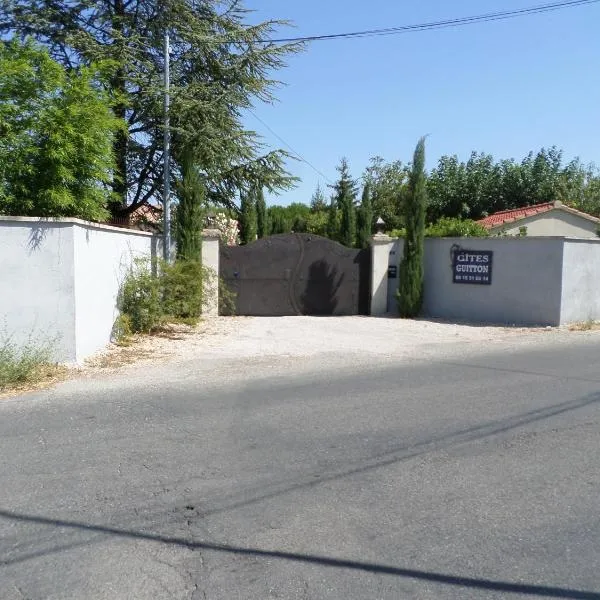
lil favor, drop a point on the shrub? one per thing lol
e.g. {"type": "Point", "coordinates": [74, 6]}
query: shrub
{"type": "Point", "coordinates": [227, 298]}
{"type": "Point", "coordinates": [452, 227]}
{"type": "Point", "coordinates": [182, 289]}
{"type": "Point", "coordinates": [141, 298]}
{"type": "Point", "coordinates": [25, 364]}
{"type": "Point", "coordinates": [154, 293]}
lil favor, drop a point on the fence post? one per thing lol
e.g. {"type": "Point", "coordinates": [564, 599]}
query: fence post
{"type": "Point", "coordinates": [210, 260]}
{"type": "Point", "coordinates": [381, 245]}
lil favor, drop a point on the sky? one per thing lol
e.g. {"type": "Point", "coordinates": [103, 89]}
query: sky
{"type": "Point", "coordinates": [504, 87]}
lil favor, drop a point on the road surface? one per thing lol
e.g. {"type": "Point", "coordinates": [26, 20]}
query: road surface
{"type": "Point", "coordinates": [463, 476]}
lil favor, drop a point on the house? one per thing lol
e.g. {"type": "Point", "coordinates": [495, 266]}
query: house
{"type": "Point", "coordinates": [145, 217]}
{"type": "Point", "coordinates": [548, 219]}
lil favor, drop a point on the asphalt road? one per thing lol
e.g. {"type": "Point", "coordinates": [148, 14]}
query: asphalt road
{"type": "Point", "coordinates": [456, 479]}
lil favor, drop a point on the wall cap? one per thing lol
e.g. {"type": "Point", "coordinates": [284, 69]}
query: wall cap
{"type": "Point", "coordinates": [73, 221]}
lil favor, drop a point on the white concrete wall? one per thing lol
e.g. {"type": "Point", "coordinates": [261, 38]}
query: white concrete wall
{"type": "Point", "coordinates": [556, 222]}
{"type": "Point", "coordinates": [60, 280]}
{"type": "Point", "coordinates": [102, 258]}
{"type": "Point", "coordinates": [581, 281]}
{"type": "Point", "coordinates": [526, 284]}
{"type": "Point", "coordinates": [37, 295]}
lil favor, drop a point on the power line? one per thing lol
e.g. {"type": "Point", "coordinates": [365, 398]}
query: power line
{"type": "Point", "coordinates": [457, 22]}
{"type": "Point", "coordinates": [294, 152]}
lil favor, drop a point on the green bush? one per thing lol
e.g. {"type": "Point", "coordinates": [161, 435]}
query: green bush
{"type": "Point", "coordinates": [448, 227]}
{"type": "Point", "coordinates": [154, 293]}
{"type": "Point", "coordinates": [182, 287]}
{"type": "Point", "coordinates": [24, 364]}
{"type": "Point", "coordinates": [451, 227]}
{"type": "Point", "coordinates": [141, 297]}
{"type": "Point", "coordinates": [227, 306]}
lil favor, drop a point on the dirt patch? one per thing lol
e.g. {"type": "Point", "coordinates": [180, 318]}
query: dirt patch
{"type": "Point", "coordinates": [44, 377]}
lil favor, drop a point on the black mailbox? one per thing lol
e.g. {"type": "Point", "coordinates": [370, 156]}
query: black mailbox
{"type": "Point", "coordinates": [392, 272]}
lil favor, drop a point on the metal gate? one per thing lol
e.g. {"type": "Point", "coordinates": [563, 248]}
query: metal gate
{"type": "Point", "coordinates": [297, 274]}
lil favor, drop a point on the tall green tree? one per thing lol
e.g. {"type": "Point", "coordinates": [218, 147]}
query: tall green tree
{"type": "Point", "coordinates": [56, 137]}
{"type": "Point", "coordinates": [318, 202]}
{"type": "Point", "coordinates": [410, 293]}
{"type": "Point", "coordinates": [190, 211]}
{"type": "Point", "coordinates": [388, 182]}
{"type": "Point", "coordinates": [333, 226]}
{"type": "Point", "coordinates": [261, 213]}
{"type": "Point", "coordinates": [247, 218]}
{"type": "Point", "coordinates": [365, 218]}
{"type": "Point", "coordinates": [220, 65]}
{"type": "Point", "coordinates": [345, 197]}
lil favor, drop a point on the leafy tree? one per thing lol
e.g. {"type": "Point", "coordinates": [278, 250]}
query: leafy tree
{"type": "Point", "coordinates": [261, 213]}
{"type": "Point", "coordinates": [317, 223]}
{"type": "Point", "coordinates": [345, 196]}
{"type": "Point", "coordinates": [410, 293]}
{"type": "Point", "coordinates": [190, 211]}
{"type": "Point", "coordinates": [220, 65]}
{"type": "Point", "coordinates": [365, 218]}
{"type": "Point", "coordinates": [481, 186]}
{"type": "Point", "coordinates": [248, 218]}
{"type": "Point", "coordinates": [56, 136]}
{"type": "Point", "coordinates": [388, 183]}
{"type": "Point", "coordinates": [318, 202]}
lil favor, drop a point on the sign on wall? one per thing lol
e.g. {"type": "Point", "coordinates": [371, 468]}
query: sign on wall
{"type": "Point", "coordinates": [472, 266]}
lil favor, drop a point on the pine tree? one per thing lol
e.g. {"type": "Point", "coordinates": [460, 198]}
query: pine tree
{"type": "Point", "coordinates": [261, 214]}
{"type": "Point", "coordinates": [189, 214]}
{"type": "Point", "coordinates": [318, 202]}
{"type": "Point", "coordinates": [410, 293]}
{"type": "Point", "coordinates": [248, 218]}
{"type": "Point", "coordinates": [345, 195]}
{"type": "Point", "coordinates": [365, 218]}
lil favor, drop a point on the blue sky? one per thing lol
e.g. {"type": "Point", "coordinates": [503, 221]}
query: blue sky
{"type": "Point", "coordinates": [504, 87]}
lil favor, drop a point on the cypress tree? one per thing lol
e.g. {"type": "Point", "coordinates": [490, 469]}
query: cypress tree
{"type": "Point", "coordinates": [333, 232]}
{"type": "Point", "coordinates": [410, 293]}
{"type": "Point", "coordinates": [365, 218]}
{"type": "Point", "coordinates": [345, 194]}
{"type": "Point", "coordinates": [261, 213]}
{"type": "Point", "coordinates": [189, 214]}
{"type": "Point", "coordinates": [248, 218]}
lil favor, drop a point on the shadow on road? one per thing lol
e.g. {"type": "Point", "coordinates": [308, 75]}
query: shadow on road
{"type": "Point", "coordinates": [440, 578]}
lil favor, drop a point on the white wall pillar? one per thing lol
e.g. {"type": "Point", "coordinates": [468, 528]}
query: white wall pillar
{"type": "Point", "coordinates": [210, 260]}
{"type": "Point", "coordinates": [381, 245]}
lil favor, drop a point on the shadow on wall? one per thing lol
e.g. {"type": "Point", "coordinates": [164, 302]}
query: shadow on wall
{"type": "Point", "coordinates": [320, 294]}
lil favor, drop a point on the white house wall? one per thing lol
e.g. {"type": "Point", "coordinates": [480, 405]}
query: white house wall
{"type": "Point", "coordinates": [553, 223]}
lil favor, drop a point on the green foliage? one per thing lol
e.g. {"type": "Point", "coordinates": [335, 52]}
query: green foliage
{"type": "Point", "coordinates": [388, 183]}
{"type": "Point", "coordinates": [247, 219]}
{"type": "Point", "coordinates": [449, 227]}
{"type": "Point", "coordinates": [227, 305]}
{"type": "Point", "coordinates": [21, 365]}
{"type": "Point", "coordinates": [317, 223]}
{"type": "Point", "coordinates": [344, 197]}
{"type": "Point", "coordinates": [190, 212]}
{"type": "Point", "coordinates": [284, 219]}
{"type": "Point", "coordinates": [333, 221]}
{"type": "Point", "coordinates": [182, 284]}
{"type": "Point", "coordinates": [482, 186]}
{"type": "Point", "coordinates": [213, 79]}
{"type": "Point", "coordinates": [365, 218]}
{"type": "Point", "coordinates": [154, 293]}
{"type": "Point", "coordinates": [318, 203]}
{"type": "Point", "coordinates": [140, 297]}
{"type": "Point", "coordinates": [56, 137]}
{"type": "Point", "coordinates": [410, 293]}
{"type": "Point", "coordinates": [261, 214]}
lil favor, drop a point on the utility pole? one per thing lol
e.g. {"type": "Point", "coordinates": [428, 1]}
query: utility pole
{"type": "Point", "coordinates": [167, 160]}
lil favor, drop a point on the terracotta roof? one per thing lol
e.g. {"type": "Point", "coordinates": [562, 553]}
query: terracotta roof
{"type": "Point", "coordinates": [517, 214]}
